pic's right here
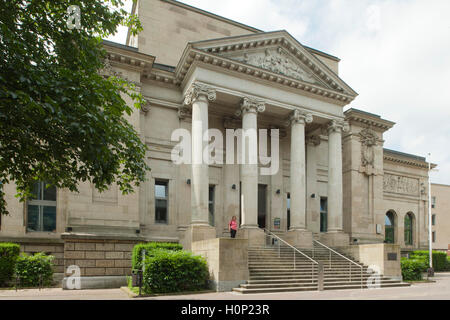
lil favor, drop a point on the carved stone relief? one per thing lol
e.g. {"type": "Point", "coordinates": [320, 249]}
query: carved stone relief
{"type": "Point", "coordinates": [278, 61]}
{"type": "Point", "coordinates": [400, 184]}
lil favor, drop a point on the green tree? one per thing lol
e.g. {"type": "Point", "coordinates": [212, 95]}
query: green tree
{"type": "Point", "coordinates": [61, 121]}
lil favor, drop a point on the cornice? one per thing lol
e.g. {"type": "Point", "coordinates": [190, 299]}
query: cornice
{"type": "Point", "coordinates": [397, 158]}
{"type": "Point", "coordinates": [129, 59]}
{"type": "Point", "coordinates": [368, 119]}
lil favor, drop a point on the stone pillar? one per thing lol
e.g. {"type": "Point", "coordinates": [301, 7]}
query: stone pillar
{"type": "Point", "coordinates": [298, 235]}
{"type": "Point", "coordinates": [335, 235]}
{"type": "Point", "coordinates": [298, 172]}
{"type": "Point", "coordinates": [249, 169]}
{"type": "Point", "coordinates": [199, 95]}
{"type": "Point", "coordinates": [312, 203]}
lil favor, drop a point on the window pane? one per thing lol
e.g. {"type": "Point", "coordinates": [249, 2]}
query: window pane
{"type": "Point", "coordinates": [36, 191]}
{"type": "Point", "coordinates": [160, 211]}
{"type": "Point", "coordinates": [323, 204]}
{"type": "Point", "coordinates": [49, 193]}
{"type": "Point", "coordinates": [160, 190]}
{"type": "Point", "coordinates": [49, 219]}
{"type": "Point", "coordinates": [33, 218]}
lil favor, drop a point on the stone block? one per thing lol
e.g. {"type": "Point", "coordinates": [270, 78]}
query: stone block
{"type": "Point", "coordinates": [124, 247]}
{"type": "Point", "coordinates": [122, 263]}
{"type": "Point", "coordinates": [115, 271]}
{"type": "Point", "coordinates": [74, 255]}
{"type": "Point", "coordinates": [85, 246]}
{"type": "Point", "coordinates": [69, 246]}
{"type": "Point", "coordinates": [85, 263]}
{"type": "Point", "coordinates": [94, 271]}
{"type": "Point", "coordinates": [113, 255]}
{"type": "Point", "coordinates": [95, 255]}
{"type": "Point", "coordinates": [104, 246]}
{"type": "Point", "coordinates": [104, 263]}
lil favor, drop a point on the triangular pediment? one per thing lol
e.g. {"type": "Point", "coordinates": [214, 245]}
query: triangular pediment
{"type": "Point", "coordinates": [279, 53]}
{"type": "Point", "coordinates": [277, 60]}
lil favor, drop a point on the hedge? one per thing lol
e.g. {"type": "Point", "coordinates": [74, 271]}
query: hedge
{"type": "Point", "coordinates": [31, 269]}
{"type": "Point", "coordinates": [149, 248]}
{"type": "Point", "coordinates": [174, 271]}
{"type": "Point", "coordinates": [439, 259]}
{"type": "Point", "coordinates": [9, 252]}
{"type": "Point", "coordinates": [412, 269]}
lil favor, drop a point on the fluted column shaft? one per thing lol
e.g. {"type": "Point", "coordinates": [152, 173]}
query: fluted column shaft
{"type": "Point", "coordinates": [298, 121]}
{"type": "Point", "coordinates": [199, 96]}
{"type": "Point", "coordinates": [335, 212]}
{"type": "Point", "coordinates": [249, 169]}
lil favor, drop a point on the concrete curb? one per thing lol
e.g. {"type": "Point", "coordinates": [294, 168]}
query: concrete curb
{"type": "Point", "coordinates": [131, 294]}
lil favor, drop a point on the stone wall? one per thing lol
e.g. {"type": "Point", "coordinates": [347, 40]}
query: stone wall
{"type": "Point", "coordinates": [99, 257]}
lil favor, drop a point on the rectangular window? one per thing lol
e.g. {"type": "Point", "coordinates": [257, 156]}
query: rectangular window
{"type": "Point", "coordinates": [433, 202]}
{"type": "Point", "coordinates": [288, 206]}
{"type": "Point", "coordinates": [161, 201]}
{"type": "Point", "coordinates": [41, 208]}
{"type": "Point", "coordinates": [211, 202]}
{"type": "Point", "coordinates": [323, 214]}
{"type": "Point", "coordinates": [433, 236]}
{"type": "Point", "coordinates": [433, 219]}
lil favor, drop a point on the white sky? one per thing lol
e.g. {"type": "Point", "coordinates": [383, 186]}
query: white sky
{"type": "Point", "coordinates": [394, 53]}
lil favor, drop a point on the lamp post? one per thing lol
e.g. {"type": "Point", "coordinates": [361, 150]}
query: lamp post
{"type": "Point", "coordinates": [430, 240]}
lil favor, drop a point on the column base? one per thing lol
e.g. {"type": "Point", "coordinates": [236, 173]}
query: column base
{"type": "Point", "coordinates": [335, 239]}
{"type": "Point", "coordinates": [300, 238]}
{"type": "Point", "coordinates": [256, 236]}
{"type": "Point", "coordinates": [197, 232]}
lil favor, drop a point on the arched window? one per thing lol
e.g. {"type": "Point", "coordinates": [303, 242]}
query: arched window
{"type": "Point", "coordinates": [389, 225]}
{"type": "Point", "coordinates": [409, 229]}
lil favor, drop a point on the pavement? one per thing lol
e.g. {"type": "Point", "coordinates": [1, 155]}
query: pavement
{"type": "Point", "coordinates": [439, 290]}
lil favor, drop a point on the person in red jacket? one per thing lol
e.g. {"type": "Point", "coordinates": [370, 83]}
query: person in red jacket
{"type": "Point", "coordinates": [232, 227]}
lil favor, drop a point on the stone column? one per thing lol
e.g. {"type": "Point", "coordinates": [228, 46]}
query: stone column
{"type": "Point", "coordinates": [298, 235]}
{"type": "Point", "coordinates": [312, 203]}
{"type": "Point", "coordinates": [335, 235]}
{"type": "Point", "coordinates": [199, 96]}
{"type": "Point", "coordinates": [249, 169]}
{"type": "Point", "coordinates": [298, 173]}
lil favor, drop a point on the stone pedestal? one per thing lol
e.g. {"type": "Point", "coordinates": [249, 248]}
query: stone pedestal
{"type": "Point", "coordinates": [300, 238]}
{"type": "Point", "coordinates": [256, 237]}
{"type": "Point", "coordinates": [197, 233]}
{"type": "Point", "coordinates": [335, 239]}
{"type": "Point", "coordinates": [227, 261]}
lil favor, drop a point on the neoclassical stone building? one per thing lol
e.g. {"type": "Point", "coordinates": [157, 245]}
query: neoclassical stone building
{"type": "Point", "coordinates": [335, 183]}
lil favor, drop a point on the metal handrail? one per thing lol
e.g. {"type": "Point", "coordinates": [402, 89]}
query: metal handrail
{"type": "Point", "coordinates": [274, 235]}
{"type": "Point", "coordinates": [350, 260]}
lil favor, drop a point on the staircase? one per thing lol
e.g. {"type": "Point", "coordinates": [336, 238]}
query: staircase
{"type": "Point", "coordinates": [273, 269]}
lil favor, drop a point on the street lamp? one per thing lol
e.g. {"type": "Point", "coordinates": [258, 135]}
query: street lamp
{"type": "Point", "coordinates": [430, 240]}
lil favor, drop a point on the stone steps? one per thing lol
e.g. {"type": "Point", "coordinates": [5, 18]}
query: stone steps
{"type": "Point", "coordinates": [273, 270]}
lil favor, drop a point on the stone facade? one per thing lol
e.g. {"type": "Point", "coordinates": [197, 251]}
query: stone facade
{"type": "Point", "coordinates": [440, 209]}
{"type": "Point", "coordinates": [332, 163]}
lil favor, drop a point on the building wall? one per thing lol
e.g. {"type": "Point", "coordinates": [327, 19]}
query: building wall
{"type": "Point", "coordinates": [442, 212]}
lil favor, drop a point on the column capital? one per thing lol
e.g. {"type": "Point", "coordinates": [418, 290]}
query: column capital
{"type": "Point", "coordinates": [184, 113]}
{"type": "Point", "coordinates": [251, 105]}
{"type": "Point", "coordinates": [299, 117]}
{"type": "Point", "coordinates": [338, 126]}
{"type": "Point", "coordinates": [198, 90]}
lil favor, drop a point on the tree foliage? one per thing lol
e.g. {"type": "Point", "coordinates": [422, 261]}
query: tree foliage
{"type": "Point", "coordinates": [61, 121]}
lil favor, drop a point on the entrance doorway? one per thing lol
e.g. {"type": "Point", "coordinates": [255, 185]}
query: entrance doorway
{"type": "Point", "coordinates": [262, 206]}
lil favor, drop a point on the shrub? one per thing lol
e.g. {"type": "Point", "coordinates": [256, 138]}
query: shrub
{"type": "Point", "coordinates": [174, 271]}
{"type": "Point", "coordinates": [9, 252]}
{"type": "Point", "coordinates": [412, 269]}
{"type": "Point", "coordinates": [439, 258]}
{"type": "Point", "coordinates": [149, 247]}
{"type": "Point", "coordinates": [32, 268]}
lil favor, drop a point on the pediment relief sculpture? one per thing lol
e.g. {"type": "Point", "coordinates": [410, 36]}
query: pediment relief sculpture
{"type": "Point", "coordinates": [278, 61]}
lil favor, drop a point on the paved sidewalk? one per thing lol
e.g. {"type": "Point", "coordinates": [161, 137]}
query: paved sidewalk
{"type": "Point", "coordinates": [440, 290]}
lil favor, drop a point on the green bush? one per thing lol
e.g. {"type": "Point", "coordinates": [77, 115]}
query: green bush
{"type": "Point", "coordinates": [412, 269]}
{"type": "Point", "coordinates": [9, 252]}
{"type": "Point", "coordinates": [174, 271]}
{"type": "Point", "coordinates": [439, 258]}
{"type": "Point", "coordinates": [149, 247]}
{"type": "Point", "coordinates": [30, 269]}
